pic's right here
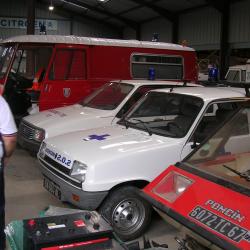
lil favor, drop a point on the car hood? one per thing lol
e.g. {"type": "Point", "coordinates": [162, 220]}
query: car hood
{"type": "Point", "coordinates": [107, 143]}
{"type": "Point", "coordinates": [65, 116]}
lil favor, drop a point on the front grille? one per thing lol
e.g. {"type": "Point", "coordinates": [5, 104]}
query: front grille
{"type": "Point", "coordinates": [56, 165]}
{"type": "Point", "coordinates": [57, 173]}
{"type": "Point", "coordinates": [26, 131]}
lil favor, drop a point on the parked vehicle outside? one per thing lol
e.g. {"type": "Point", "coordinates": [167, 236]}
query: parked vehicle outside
{"type": "Point", "coordinates": [102, 168]}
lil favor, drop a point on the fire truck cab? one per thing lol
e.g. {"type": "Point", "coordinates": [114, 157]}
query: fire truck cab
{"type": "Point", "coordinates": [53, 71]}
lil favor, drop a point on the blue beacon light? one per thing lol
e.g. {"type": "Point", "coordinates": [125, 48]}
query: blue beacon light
{"type": "Point", "coordinates": [151, 74]}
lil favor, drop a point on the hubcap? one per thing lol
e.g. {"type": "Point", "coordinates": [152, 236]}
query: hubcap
{"type": "Point", "coordinates": [128, 215]}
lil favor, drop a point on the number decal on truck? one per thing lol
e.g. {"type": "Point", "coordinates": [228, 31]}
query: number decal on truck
{"type": "Point", "coordinates": [62, 159]}
{"type": "Point", "coordinates": [59, 158]}
{"type": "Point", "coordinates": [220, 225]}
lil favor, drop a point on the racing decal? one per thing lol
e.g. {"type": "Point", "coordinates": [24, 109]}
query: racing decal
{"type": "Point", "coordinates": [66, 92]}
{"type": "Point", "coordinates": [96, 137]}
{"type": "Point", "coordinates": [220, 225]}
{"type": "Point", "coordinates": [59, 158]}
{"type": "Point", "coordinates": [231, 213]}
{"type": "Point", "coordinates": [56, 112]}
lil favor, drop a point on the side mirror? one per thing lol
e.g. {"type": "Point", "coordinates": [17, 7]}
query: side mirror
{"type": "Point", "coordinates": [195, 142]}
{"type": "Point", "coordinates": [194, 145]}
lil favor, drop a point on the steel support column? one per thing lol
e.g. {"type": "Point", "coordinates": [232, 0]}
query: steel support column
{"type": "Point", "coordinates": [138, 32]}
{"type": "Point", "coordinates": [224, 40]}
{"type": "Point", "coordinates": [175, 30]}
{"type": "Point", "coordinates": [31, 17]}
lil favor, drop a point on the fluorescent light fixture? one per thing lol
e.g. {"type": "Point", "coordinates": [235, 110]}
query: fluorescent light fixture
{"type": "Point", "coordinates": [73, 4]}
{"type": "Point", "coordinates": [103, 1]}
{"type": "Point", "coordinates": [51, 7]}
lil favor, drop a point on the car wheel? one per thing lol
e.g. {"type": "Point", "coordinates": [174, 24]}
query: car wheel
{"type": "Point", "coordinates": [128, 213]}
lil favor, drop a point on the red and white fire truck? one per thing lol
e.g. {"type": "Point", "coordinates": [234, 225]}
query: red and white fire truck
{"type": "Point", "coordinates": [62, 70]}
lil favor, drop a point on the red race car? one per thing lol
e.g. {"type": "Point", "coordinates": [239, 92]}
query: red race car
{"type": "Point", "coordinates": [207, 195]}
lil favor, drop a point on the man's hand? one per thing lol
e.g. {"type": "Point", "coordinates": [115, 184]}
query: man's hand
{"type": "Point", "coordinates": [9, 144]}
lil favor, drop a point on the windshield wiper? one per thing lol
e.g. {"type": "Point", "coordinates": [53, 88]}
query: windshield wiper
{"type": "Point", "coordinates": [246, 176]}
{"type": "Point", "coordinates": [125, 122]}
{"type": "Point", "coordinates": [144, 125]}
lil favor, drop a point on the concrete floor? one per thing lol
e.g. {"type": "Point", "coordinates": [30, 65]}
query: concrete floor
{"type": "Point", "coordinates": [26, 197]}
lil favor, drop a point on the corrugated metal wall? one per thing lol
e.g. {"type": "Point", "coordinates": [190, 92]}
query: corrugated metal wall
{"type": "Point", "coordinates": [161, 26]}
{"type": "Point", "coordinates": [201, 28]}
{"type": "Point", "coordinates": [240, 25]}
{"type": "Point", "coordinates": [87, 28]}
{"type": "Point", "coordinates": [17, 9]}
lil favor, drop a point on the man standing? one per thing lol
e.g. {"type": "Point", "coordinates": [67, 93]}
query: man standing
{"type": "Point", "coordinates": [7, 145]}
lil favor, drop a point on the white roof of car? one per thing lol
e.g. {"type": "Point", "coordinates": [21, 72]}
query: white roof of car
{"type": "Point", "coordinates": [152, 82]}
{"type": "Point", "coordinates": [243, 66]}
{"type": "Point", "coordinates": [209, 93]}
{"type": "Point", "coordinates": [94, 41]}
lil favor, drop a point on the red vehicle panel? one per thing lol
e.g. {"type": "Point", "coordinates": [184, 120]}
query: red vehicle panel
{"type": "Point", "coordinates": [215, 199]}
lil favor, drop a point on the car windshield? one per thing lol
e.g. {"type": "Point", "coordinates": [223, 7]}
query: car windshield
{"type": "Point", "coordinates": [108, 97]}
{"type": "Point", "coordinates": [226, 155]}
{"type": "Point", "coordinates": [164, 113]}
{"type": "Point", "coordinates": [6, 54]}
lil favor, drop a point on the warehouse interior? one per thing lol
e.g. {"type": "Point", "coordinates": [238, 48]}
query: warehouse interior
{"type": "Point", "coordinates": [75, 75]}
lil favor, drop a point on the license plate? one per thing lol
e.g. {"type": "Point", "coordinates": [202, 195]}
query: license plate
{"type": "Point", "coordinates": [60, 158]}
{"type": "Point", "coordinates": [220, 225]}
{"type": "Point", "coordinates": [52, 187]}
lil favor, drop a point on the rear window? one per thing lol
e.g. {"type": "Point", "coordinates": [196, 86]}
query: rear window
{"type": "Point", "coordinates": [166, 67]}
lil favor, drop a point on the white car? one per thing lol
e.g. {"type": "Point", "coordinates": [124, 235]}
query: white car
{"type": "Point", "coordinates": [102, 168]}
{"type": "Point", "coordinates": [104, 107]}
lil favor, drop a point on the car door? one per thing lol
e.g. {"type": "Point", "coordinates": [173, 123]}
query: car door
{"type": "Point", "coordinates": [66, 80]}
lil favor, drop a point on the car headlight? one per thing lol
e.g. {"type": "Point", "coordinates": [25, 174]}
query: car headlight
{"type": "Point", "coordinates": [79, 171]}
{"type": "Point", "coordinates": [172, 186]}
{"type": "Point", "coordinates": [39, 135]}
{"type": "Point", "coordinates": [42, 150]}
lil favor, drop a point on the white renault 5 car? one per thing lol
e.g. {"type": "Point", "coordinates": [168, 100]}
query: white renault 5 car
{"type": "Point", "coordinates": [104, 107]}
{"type": "Point", "coordinates": [102, 168]}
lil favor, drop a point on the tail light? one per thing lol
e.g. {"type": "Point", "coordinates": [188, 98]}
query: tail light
{"type": "Point", "coordinates": [172, 186]}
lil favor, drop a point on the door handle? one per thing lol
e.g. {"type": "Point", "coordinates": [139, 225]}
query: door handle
{"type": "Point", "coordinates": [46, 87]}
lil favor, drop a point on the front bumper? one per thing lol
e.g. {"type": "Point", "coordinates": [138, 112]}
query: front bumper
{"type": "Point", "coordinates": [70, 189]}
{"type": "Point", "coordinates": [28, 144]}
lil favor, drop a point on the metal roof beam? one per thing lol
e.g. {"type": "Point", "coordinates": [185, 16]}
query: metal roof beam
{"type": "Point", "coordinates": [188, 10]}
{"type": "Point", "coordinates": [218, 5]}
{"type": "Point", "coordinates": [162, 12]}
{"type": "Point", "coordinates": [105, 12]}
{"type": "Point", "coordinates": [61, 11]}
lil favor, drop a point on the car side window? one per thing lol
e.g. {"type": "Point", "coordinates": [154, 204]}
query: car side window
{"type": "Point", "coordinates": [215, 115]}
{"type": "Point", "coordinates": [134, 98]}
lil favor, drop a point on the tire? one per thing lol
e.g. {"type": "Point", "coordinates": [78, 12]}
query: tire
{"type": "Point", "coordinates": [128, 213]}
